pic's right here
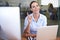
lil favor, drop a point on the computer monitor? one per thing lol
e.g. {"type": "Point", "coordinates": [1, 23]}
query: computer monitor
{"type": "Point", "coordinates": [10, 23]}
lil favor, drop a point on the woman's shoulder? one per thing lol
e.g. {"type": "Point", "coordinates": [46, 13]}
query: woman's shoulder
{"type": "Point", "coordinates": [43, 16]}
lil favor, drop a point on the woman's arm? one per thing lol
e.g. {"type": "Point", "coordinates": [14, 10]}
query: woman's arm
{"type": "Point", "coordinates": [29, 19]}
{"type": "Point", "coordinates": [27, 29]}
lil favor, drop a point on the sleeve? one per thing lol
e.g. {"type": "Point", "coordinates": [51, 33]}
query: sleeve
{"type": "Point", "coordinates": [45, 21]}
{"type": "Point", "coordinates": [25, 23]}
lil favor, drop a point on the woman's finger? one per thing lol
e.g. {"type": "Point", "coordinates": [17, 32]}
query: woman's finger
{"type": "Point", "coordinates": [27, 14]}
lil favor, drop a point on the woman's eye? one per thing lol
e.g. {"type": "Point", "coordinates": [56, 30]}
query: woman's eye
{"type": "Point", "coordinates": [33, 6]}
{"type": "Point", "coordinates": [37, 5]}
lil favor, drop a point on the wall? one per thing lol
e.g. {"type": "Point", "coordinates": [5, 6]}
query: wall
{"type": "Point", "coordinates": [13, 2]}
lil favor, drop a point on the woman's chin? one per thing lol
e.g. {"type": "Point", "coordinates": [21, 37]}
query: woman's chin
{"type": "Point", "coordinates": [36, 12]}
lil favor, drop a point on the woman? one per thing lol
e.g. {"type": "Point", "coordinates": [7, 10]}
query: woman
{"type": "Point", "coordinates": [34, 20]}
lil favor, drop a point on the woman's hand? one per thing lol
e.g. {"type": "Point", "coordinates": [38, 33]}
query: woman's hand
{"type": "Point", "coordinates": [29, 34]}
{"type": "Point", "coordinates": [29, 18]}
{"type": "Point", "coordinates": [33, 35]}
{"type": "Point", "coordinates": [26, 35]}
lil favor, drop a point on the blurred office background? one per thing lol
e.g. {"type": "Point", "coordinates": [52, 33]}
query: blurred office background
{"type": "Point", "coordinates": [10, 3]}
{"type": "Point", "coordinates": [44, 4]}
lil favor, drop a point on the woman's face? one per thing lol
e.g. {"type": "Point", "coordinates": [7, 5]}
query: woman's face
{"type": "Point", "coordinates": [35, 7]}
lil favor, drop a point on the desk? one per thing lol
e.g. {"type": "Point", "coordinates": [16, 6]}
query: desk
{"type": "Point", "coordinates": [23, 38]}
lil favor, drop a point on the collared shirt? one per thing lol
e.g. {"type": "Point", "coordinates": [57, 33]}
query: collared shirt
{"type": "Point", "coordinates": [41, 22]}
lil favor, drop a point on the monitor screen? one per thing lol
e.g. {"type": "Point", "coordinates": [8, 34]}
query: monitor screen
{"type": "Point", "coordinates": [10, 23]}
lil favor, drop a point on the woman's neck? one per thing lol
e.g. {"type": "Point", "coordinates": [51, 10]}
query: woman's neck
{"type": "Point", "coordinates": [36, 16]}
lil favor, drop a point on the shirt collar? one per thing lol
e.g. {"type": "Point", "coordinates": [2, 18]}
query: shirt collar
{"type": "Point", "coordinates": [33, 17]}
